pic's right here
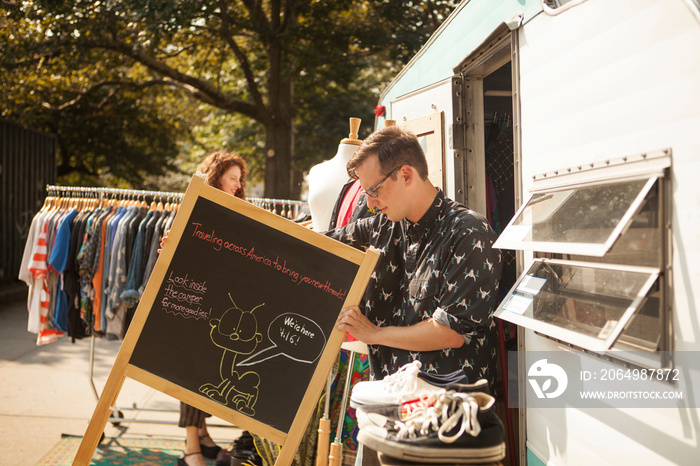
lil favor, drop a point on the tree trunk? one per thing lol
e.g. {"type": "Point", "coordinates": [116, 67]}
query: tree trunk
{"type": "Point", "coordinates": [279, 128]}
{"type": "Point", "coordinates": [279, 143]}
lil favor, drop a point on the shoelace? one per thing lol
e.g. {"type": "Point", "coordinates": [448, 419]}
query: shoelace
{"type": "Point", "coordinates": [443, 414]}
{"type": "Point", "coordinates": [405, 380]}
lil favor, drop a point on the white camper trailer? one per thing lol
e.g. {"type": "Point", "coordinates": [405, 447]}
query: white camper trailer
{"type": "Point", "coordinates": [575, 126]}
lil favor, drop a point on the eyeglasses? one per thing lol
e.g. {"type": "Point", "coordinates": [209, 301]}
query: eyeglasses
{"type": "Point", "coordinates": [372, 192]}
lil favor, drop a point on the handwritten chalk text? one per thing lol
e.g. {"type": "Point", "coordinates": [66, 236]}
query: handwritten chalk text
{"type": "Point", "coordinates": [218, 243]}
{"type": "Point", "coordinates": [183, 296]}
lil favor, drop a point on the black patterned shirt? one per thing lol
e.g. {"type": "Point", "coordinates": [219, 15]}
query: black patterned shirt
{"type": "Point", "coordinates": [444, 267]}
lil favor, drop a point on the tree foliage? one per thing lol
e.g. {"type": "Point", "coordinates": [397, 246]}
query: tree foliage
{"type": "Point", "coordinates": [130, 84]}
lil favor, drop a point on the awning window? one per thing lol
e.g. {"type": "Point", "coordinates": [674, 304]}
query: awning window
{"type": "Point", "coordinates": [583, 220]}
{"type": "Point", "coordinates": [601, 254]}
{"type": "Point", "coordinates": [584, 304]}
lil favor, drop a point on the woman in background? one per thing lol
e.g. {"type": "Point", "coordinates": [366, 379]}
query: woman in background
{"type": "Point", "coordinates": [227, 172]}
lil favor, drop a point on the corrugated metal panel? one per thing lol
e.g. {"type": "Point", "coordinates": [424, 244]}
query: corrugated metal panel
{"type": "Point", "coordinates": [27, 165]}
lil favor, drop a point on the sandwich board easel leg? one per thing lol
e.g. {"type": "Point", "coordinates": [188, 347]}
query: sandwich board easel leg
{"type": "Point", "coordinates": [336, 452]}
{"type": "Point", "coordinates": [99, 418]}
{"type": "Point", "coordinates": [324, 428]}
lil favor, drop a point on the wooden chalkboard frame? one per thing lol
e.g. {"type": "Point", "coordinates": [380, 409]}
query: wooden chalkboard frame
{"type": "Point", "coordinates": [123, 368]}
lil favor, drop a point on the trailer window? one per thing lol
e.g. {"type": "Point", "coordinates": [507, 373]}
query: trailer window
{"type": "Point", "coordinates": [584, 220]}
{"type": "Point", "coordinates": [584, 304]}
{"type": "Point", "coordinates": [598, 279]}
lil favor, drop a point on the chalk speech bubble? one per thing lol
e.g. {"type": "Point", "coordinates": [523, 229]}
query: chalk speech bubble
{"type": "Point", "coordinates": [294, 336]}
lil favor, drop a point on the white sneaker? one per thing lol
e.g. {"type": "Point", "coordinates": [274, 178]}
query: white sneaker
{"type": "Point", "coordinates": [406, 383]}
{"type": "Point", "coordinates": [383, 415]}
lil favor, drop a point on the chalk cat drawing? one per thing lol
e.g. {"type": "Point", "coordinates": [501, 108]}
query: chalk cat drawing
{"type": "Point", "coordinates": [236, 332]}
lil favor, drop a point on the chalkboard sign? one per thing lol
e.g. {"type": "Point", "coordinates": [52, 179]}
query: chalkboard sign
{"type": "Point", "coordinates": [238, 317]}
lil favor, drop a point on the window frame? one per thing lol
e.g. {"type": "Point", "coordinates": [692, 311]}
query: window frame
{"type": "Point", "coordinates": [571, 336]}
{"type": "Point", "coordinates": [507, 240]}
{"type": "Point", "coordinates": [653, 166]}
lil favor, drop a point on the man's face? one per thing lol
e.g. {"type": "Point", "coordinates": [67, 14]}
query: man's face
{"type": "Point", "coordinates": [388, 200]}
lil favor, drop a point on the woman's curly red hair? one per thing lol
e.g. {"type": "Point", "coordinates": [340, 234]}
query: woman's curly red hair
{"type": "Point", "coordinates": [216, 164]}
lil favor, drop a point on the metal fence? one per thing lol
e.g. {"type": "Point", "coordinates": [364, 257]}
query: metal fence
{"type": "Point", "coordinates": [27, 165]}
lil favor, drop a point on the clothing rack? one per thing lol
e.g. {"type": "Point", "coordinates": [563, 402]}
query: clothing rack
{"type": "Point", "coordinates": [502, 119]}
{"type": "Point", "coordinates": [101, 194]}
{"type": "Point", "coordinates": [74, 191]}
{"type": "Point", "coordinates": [287, 208]}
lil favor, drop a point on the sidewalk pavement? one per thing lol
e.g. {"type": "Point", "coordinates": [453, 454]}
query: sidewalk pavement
{"type": "Point", "coordinates": [45, 391]}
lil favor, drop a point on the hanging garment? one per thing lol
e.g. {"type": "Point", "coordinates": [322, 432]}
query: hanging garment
{"type": "Point", "coordinates": [71, 277]}
{"type": "Point", "coordinates": [57, 263]}
{"type": "Point", "coordinates": [35, 288]}
{"type": "Point", "coordinates": [38, 267]}
{"type": "Point", "coordinates": [131, 294]}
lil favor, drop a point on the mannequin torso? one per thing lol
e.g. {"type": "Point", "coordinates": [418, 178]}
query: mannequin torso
{"type": "Point", "coordinates": [325, 183]}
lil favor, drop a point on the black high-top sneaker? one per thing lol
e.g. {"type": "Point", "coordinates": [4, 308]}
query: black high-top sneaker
{"type": "Point", "coordinates": [387, 413]}
{"type": "Point", "coordinates": [456, 428]}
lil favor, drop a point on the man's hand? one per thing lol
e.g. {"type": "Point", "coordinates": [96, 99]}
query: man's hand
{"type": "Point", "coordinates": [353, 321]}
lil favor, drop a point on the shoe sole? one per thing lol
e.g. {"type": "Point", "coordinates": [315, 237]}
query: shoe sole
{"type": "Point", "coordinates": [434, 455]}
{"type": "Point", "coordinates": [355, 404]}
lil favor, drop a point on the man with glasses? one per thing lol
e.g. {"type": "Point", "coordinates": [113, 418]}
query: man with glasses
{"type": "Point", "coordinates": [433, 292]}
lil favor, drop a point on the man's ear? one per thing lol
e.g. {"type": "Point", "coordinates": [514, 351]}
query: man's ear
{"type": "Point", "coordinates": [407, 174]}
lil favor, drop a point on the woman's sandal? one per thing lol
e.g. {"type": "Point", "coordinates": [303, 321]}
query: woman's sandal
{"type": "Point", "coordinates": [209, 451]}
{"type": "Point", "coordinates": [181, 460]}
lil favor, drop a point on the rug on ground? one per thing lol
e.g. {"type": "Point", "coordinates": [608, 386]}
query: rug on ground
{"type": "Point", "coordinates": [116, 450]}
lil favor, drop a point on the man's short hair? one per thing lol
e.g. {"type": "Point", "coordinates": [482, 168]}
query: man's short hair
{"type": "Point", "coordinates": [394, 147]}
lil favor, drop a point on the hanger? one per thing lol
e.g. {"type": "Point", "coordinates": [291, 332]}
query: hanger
{"type": "Point", "coordinates": [48, 202]}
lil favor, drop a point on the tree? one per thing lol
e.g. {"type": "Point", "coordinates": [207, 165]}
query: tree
{"type": "Point", "coordinates": [260, 59]}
